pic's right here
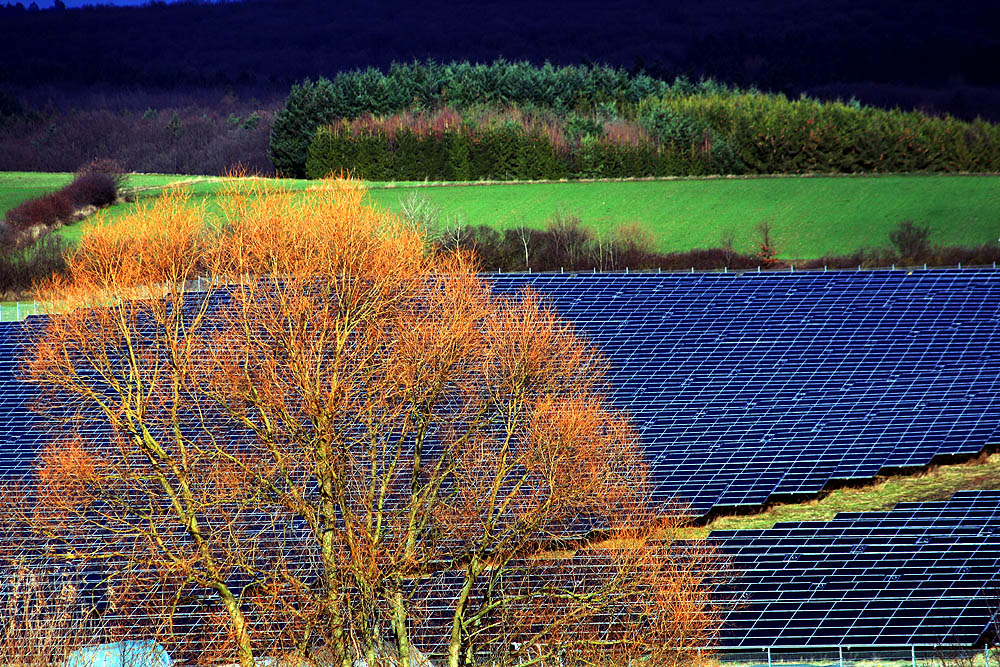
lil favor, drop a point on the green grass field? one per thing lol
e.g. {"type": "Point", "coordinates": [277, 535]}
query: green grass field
{"type": "Point", "coordinates": [18, 186]}
{"type": "Point", "coordinates": [809, 216]}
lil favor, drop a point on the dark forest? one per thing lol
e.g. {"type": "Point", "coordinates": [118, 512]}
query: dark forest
{"type": "Point", "coordinates": [935, 56]}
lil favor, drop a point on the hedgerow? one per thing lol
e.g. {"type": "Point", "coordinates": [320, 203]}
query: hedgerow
{"type": "Point", "coordinates": [486, 143]}
{"type": "Point", "coordinates": [773, 134]}
{"type": "Point", "coordinates": [26, 260]}
{"type": "Point", "coordinates": [599, 122]}
{"type": "Point", "coordinates": [96, 184]}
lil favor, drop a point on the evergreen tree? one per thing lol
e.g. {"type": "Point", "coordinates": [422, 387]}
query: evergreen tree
{"type": "Point", "coordinates": [308, 106]}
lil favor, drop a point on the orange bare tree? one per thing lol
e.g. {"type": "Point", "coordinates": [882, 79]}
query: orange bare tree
{"type": "Point", "coordinates": [144, 495]}
{"type": "Point", "coordinates": [352, 443]}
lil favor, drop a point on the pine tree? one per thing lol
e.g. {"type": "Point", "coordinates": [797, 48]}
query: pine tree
{"type": "Point", "coordinates": [308, 106]}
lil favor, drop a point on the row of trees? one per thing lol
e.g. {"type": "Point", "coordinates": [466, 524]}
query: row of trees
{"type": "Point", "coordinates": [430, 86]}
{"type": "Point", "coordinates": [492, 145]}
{"type": "Point", "coordinates": [190, 136]}
{"type": "Point", "coordinates": [344, 443]}
{"type": "Point", "coordinates": [676, 129]}
{"type": "Point", "coordinates": [786, 46]}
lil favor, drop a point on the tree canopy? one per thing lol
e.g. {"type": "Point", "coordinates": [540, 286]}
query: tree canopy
{"type": "Point", "coordinates": [340, 440]}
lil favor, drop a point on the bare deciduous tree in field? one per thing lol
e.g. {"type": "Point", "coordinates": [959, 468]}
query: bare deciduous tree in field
{"type": "Point", "coordinates": [349, 440]}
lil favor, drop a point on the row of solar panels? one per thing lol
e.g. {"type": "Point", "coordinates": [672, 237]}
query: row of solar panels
{"type": "Point", "coordinates": [754, 385]}
{"type": "Point", "coordinates": [746, 387]}
{"type": "Point", "coordinates": [920, 574]}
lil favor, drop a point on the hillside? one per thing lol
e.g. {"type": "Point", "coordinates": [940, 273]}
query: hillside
{"type": "Point", "coordinates": [919, 53]}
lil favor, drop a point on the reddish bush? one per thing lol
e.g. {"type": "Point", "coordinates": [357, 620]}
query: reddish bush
{"type": "Point", "coordinates": [706, 259]}
{"type": "Point", "coordinates": [96, 184]}
{"type": "Point", "coordinates": [50, 210]}
{"type": "Point", "coordinates": [108, 167]}
{"type": "Point", "coordinates": [955, 255]}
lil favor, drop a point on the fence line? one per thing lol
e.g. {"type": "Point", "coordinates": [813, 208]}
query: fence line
{"type": "Point", "coordinates": [19, 310]}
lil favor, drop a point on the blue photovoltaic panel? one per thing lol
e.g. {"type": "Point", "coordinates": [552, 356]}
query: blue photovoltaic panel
{"type": "Point", "coordinates": [920, 574]}
{"type": "Point", "coordinates": [744, 386]}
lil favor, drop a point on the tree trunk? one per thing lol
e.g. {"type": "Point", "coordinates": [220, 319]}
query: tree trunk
{"type": "Point", "coordinates": [458, 618]}
{"type": "Point", "coordinates": [399, 626]}
{"type": "Point", "coordinates": [241, 633]}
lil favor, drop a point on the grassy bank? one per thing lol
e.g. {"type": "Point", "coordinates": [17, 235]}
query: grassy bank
{"type": "Point", "coordinates": [810, 217]}
{"type": "Point", "coordinates": [937, 483]}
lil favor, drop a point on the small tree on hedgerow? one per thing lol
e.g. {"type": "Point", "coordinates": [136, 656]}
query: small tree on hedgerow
{"type": "Point", "coordinates": [345, 435]}
{"type": "Point", "coordinates": [765, 252]}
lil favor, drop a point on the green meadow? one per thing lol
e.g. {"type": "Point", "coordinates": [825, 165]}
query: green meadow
{"type": "Point", "coordinates": [809, 216]}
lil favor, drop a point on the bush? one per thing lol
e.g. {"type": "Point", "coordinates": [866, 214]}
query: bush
{"type": "Point", "coordinates": [107, 167]}
{"type": "Point", "coordinates": [25, 261]}
{"type": "Point", "coordinates": [865, 258]}
{"type": "Point", "coordinates": [706, 259]}
{"type": "Point", "coordinates": [955, 255]}
{"type": "Point", "coordinates": [911, 240]}
{"type": "Point", "coordinates": [92, 189]}
{"type": "Point", "coordinates": [48, 211]}
{"type": "Point", "coordinates": [96, 184]}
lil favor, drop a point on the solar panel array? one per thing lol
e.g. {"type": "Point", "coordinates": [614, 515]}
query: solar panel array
{"type": "Point", "coordinates": [748, 386]}
{"type": "Point", "coordinates": [920, 574]}
{"type": "Point", "coordinates": [754, 385]}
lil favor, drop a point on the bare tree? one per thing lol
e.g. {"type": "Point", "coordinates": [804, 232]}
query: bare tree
{"type": "Point", "coordinates": [728, 244]}
{"type": "Point", "coordinates": [342, 419]}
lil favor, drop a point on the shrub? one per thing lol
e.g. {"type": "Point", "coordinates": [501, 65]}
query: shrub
{"type": "Point", "coordinates": [49, 211]}
{"type": "Point", "coordinates": [632, 247]}
{"type": "Point", "coordinates": [911, 240]}
{"type": "Point", "coordinates": [106, 167]}
{"type": "Point", "coordinates": [765, 252]}
{"type": "Point", "coordinates": [93, 189]}
{"type": "Point", "coordinates": [865, 258]}
{"type": "Point", "coordinates": [25, 261]}
{"type": "Point", "coordinates": [954, 255]}
{"type": "Point", "coordinates": [96, 184]}
{"type": "Point", "coordinates": [705, 259]}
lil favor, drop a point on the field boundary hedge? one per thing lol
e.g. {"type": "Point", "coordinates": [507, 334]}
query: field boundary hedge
{"type": "Point", "coordinates": [616, 127]}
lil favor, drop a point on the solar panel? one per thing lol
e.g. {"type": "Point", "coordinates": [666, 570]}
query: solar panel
{"type": "Point", "coordinates": [920, 574]}
{"type": "Point", "coordinates": [748, 387]}
{"type": "Point", "coordinates": [751, 386]}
